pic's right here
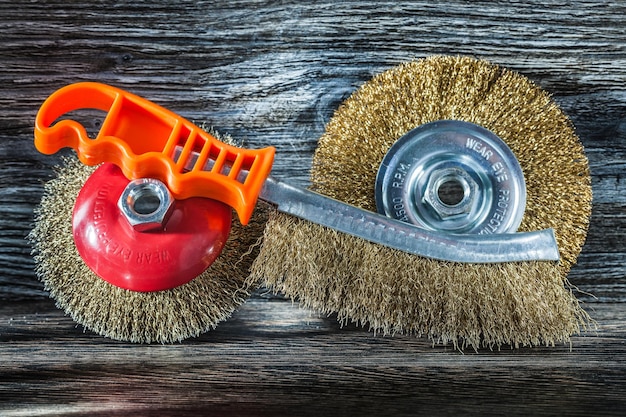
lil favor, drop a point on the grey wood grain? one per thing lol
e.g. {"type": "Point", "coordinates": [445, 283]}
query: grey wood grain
{"type": "Point", "coordinates": [272, 73]}
{"type": "Point", "coordinates": [276, 359]}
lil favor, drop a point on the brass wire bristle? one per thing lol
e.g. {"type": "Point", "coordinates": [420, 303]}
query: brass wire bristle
{"type": "Point", "coordinates": [468, 305]}
{"type": "Point", "coordinates": [143, 317]}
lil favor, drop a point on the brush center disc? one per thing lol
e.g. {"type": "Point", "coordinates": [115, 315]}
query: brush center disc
{"type": "Point", "coordinates": [452, 176]}
{"type": "Point", "coordinates": [135, 259]}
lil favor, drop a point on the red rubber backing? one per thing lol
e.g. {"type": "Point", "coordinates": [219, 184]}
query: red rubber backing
{"type": "Point", "coordinates": [145, 261]}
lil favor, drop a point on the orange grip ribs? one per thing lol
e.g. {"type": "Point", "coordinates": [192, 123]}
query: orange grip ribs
{"type": "Point", "coordinates": [147, 140]}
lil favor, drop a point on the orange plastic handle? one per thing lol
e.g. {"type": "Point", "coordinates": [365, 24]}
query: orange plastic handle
{"type": "Point", "coordinates": [147, 140]}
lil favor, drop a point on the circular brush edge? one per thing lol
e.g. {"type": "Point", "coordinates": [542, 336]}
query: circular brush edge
{"type": "Point", "coordinates": [143, 317]}
{"type": "Point", "coordinates": [468, 305]}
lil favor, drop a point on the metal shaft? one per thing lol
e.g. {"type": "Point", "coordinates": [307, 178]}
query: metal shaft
{"type": "Point", "coordinates": [487, 248]}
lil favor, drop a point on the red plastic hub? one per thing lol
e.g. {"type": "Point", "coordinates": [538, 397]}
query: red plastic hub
{"type": "Point", "coordinates": [191, 240]}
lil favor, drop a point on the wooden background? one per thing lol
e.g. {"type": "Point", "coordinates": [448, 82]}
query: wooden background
{"type": "Point", "coordinates": [272, 73]}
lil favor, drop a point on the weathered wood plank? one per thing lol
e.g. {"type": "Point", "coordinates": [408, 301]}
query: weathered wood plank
{"type": "Point", "coordinates": [272, 73]}
{"type": "Point", "coordinates": [274, 358]}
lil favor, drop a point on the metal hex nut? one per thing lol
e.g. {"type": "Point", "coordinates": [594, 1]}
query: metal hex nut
{"type": "Point", "coordinates": [445, 175]}
{"type": "Point", "coordinates": [146, 203]}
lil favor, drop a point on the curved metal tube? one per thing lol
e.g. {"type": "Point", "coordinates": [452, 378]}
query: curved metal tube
{"type": "Point", "coordinates": [486, 248]}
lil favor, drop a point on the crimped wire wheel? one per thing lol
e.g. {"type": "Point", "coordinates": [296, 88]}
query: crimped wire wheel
{"type": "Point", "coordinates": [144, 317]}
{"type": "Point", "coordinates": [477, 305]}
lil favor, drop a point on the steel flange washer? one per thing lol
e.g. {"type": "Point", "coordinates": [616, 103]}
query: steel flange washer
{"type": "Point", "coordinates": [452, 176]}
